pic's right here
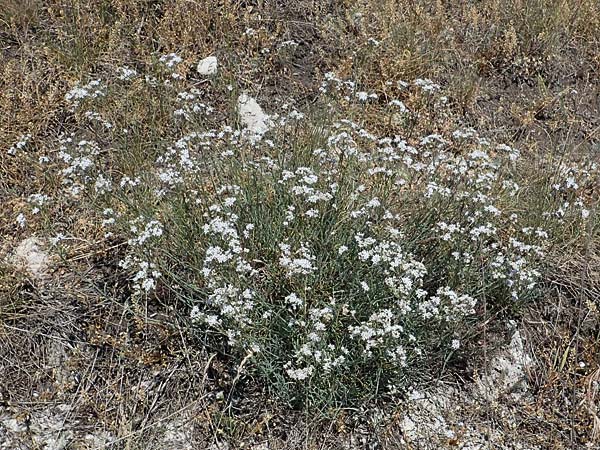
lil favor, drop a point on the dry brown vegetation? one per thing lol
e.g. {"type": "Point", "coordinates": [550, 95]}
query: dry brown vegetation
{"type": "Point", "coordinates": [526, 72]}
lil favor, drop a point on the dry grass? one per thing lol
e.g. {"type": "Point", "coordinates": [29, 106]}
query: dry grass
{"type": "Point", "coordinates": [130, 369]}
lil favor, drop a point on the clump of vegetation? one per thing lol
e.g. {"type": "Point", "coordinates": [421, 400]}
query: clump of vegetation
{"type": "Point", "coordinates": [337, 262]}
{"type": "Point", "coordinates": [421, 180]}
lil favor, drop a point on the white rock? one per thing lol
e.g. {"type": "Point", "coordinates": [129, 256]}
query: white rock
{"type": "Point", "coordinates": [407, 425]}
{"type": "Point", "coordinates": [508, 372]}
{"type": "Point", "coordinates": [30, 256]}
{"type": "Point", "coordinates": [208, 66]}
{"type": "Point", "coordinates": [13, 425]}
{"type": "Point", "coordinates": [252, 116]}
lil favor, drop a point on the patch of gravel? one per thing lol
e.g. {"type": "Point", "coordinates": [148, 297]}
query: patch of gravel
{"type": "Point", "coordinates": [55, 428]}
{"type": "Point", "coordinates": [45, 429]}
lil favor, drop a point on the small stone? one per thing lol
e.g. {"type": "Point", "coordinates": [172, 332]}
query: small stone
{"type": "Point", "coordinates": [407, 425]}
{"type": "Point", "coordinates": [13, 425]}
{"type": "Point", "coordinates": [208, 66]}
{"type": "Point", "coordinates": [29, 255]}
{"type": "Point", "coordinates": [508, 374]}
{"type": "Point", "coordinates": [252, 116]}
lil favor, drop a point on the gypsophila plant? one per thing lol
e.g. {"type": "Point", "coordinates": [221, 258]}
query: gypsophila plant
{"type": "Point", "coordinates": [344, 258]}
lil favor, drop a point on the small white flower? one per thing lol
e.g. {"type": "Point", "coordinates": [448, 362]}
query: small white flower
{"type": "Point", "coordinates": [400, 105]}
{"type": "Point", "coordinates": [23, 140]}
{"type": "Point", "coordinates": [300, 374]}
{"type": "Point", "coordinates": [170, 60]}
{"type": "Point", "coordinates": [125, 73]}
{"type": "Point", "coordinates": [294, 300]}
{"type": "Point", "coordinates": [21, 220]}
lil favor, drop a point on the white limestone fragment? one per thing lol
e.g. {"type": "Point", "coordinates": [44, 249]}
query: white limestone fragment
{"type": "Point", "coordinates": [208, 66]}
{"type": "Point", "coordinates": [252, 116]}
{"type": "Point", "coordinates": [29, 255]}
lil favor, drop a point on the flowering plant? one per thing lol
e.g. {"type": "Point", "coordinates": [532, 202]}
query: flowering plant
{"type": "Point", "coordinates": [345, 260]}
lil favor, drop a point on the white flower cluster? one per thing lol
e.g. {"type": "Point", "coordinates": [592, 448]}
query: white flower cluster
{"type": "Point", "coordinates": [572, 182]}
{"type": "Point", "coordinates": [126, 73]}
{"type": "Point", "coordinates": [316, 353]}
{"type": "Point", "coordinates": [37, 200]}
{"type": "Point", "coordinates": [93, 89]}
{"type": "Point", "coordinates": [191, 107]}
{"type": "Point", "coordinates": [447, 305]}
{"type": "Point", "coordinates": [21, 220]}
{"type": "Point", "coordinates": [109, 221]}
{"type": "Point", "coordinates": [79, 158]}
{"type": "Point", "coordinates": [171, 60]}
{"type": "Point", "coordinates": [299, 262]}
{"type": "Point", "coordinates": [97, 117]}
{"type": "Point", "coordinates": [144, 280]}
{"type": "Point", "coordinates": [184, 159]}
{"type": "Point", "coordinates": [144, 233]}
{"type": "Point", "coordinates": [20, 144]}
{"type": "Point", "coordinates": [380, 332]}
